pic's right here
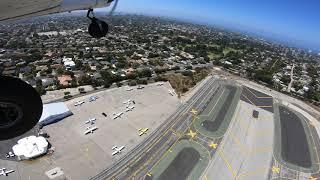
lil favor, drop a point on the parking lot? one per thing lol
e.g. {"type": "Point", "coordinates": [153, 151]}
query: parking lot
{"type": "Point", "coordinates": [82, 156]}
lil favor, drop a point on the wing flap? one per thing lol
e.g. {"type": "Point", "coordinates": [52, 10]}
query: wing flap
{"type": "Point", "coordinates": [14, 9]}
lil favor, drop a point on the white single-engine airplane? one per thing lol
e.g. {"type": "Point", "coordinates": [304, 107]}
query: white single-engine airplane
{"type": "Point", "coordinates": [127, 101]}
{"type": "Point", "coordinates": [129, 89]}
{"type": "Point", "coordinates": [117, 150]}
{"type": "Point", "coordinates": [129, 108]}
{"type": "Point", "coordinates": [78, 103]}
{"type": "Point", "coordinates": [4, 172]}
{"type": "Point", "coordinates": [117, 115]}
{"type": "Point", "coordinates": [91, 121]}
{"type": "Point", "coordinates": [90, 130]}
{"type": "Point", "coordinates": [29, 102]}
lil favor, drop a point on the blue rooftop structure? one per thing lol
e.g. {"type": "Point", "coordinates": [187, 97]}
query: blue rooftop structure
{"type": "Point", "coordinates": [54, 112]}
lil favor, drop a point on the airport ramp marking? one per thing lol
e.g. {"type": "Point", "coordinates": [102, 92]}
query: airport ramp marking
{"type": "Point", "coordinates": [232, 171]}
{"type": "Point", "coordinates": [209, 113]}
{"type": "Point", "coordinates": [259, 97]}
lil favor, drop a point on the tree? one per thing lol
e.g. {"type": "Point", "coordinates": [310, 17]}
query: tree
{"type": "Point", "coordinates": [39, 87]}
{"type": "Point", "coordinates": [81, 90]}
{"type": "Point", "coordinates": [144, 73]}
{"type": "Point", "coordinates": [187, 73]}
{"type": "Point", "coordinates": [59, 71]}
{"type": "Point", "coordinates": [132, 83]}
{"type": "Point", "coordinates": [85, 80]}
{"type": "Point", "coordinates": [264, 76]}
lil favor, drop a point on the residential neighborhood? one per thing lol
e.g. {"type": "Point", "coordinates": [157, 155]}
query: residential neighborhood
{"type": "Point", "coordinates": [55, 52]}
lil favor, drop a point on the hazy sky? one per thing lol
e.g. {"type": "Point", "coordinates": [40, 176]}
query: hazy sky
{"type": "Point", "coordinates": [288, 20]}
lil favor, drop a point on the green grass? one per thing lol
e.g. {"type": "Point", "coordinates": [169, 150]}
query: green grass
{"type": "Point", "coordinates": [212, 110]}
{"type": "Point", "coordinates": [228, 49]}
{"type": "Point", "coordinates": [213, 56]}
{"type": "Point", "coordinates": [277, 147]}
{"type": "Point", "coordinates": [165, 161]}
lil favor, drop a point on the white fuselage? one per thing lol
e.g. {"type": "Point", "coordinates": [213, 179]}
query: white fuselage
{"type": "Point", "coordinates": [117, 150]}
{"type": "Point", "coordinates": [3, 172]}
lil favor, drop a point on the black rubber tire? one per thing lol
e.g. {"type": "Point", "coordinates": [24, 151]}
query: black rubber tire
{"type": "Point", "coordinates": [98, 28]}
{"type": "Point", "coordinates": [24, 96]}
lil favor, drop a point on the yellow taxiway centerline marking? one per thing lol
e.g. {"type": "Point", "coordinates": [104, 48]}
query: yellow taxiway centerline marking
{"type": "Point", "coordinates": [159, 138]}
{"type": "Point", "coordinates": [227, 163]}
{"type": "Point", "coordinates": [250, 173]}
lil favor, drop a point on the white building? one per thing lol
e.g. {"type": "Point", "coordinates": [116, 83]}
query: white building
{"type": "Point", "coordinates": [68, 63]}
{"type": "Point", "coordinates": [54, 112]}
{"type": "Point", "coordinates": [30, 147]}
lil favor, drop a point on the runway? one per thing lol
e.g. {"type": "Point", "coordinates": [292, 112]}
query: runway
{"type": "Point", "coordinates": [244, 151]}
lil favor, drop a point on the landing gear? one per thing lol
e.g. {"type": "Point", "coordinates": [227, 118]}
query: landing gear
{"type": "Point", "coordinates": [97, 28]}
{"type": "Point", "coordinates": [20, 107]}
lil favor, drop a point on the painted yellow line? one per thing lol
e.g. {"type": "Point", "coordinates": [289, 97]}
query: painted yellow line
{"type": "Point", "coordinates": [203, 147]}
{"type": "Point", "coordinates": [152, 144]}
{"type": "Point", "coordinates": [152, 157]}
{"type": "Point", "coordinates": [160, 137]}
{"type": "Point", "coordinates": [206, 177]}
{"type": "Point", "coordinates": [251, 173]}
{"type": "Point", "coordinates": [227, 163]}
{"type": "Point", "coordinates": [242, 147]}
{"type": "Point", "coordinates": [164, 155]}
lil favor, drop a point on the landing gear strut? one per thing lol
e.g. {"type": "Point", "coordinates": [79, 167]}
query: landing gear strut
{"type": "Point", "coordinates": [20, 107]}
{"type": "Point", "coordinates": [97, 28]}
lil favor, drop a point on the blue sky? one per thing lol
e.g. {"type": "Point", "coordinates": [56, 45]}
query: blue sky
{"type": "Point", "coordinates": [296, 22]}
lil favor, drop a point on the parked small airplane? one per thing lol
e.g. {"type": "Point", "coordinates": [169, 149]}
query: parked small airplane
{"type": "Point", "coordinates": [171, 92]}
{"type": "Point", "coordinates": [90, 130]}
{"type": "Point", "coordinates": [127, 101]}
{"type": "Point", "coordinates": [143, 131]}
{"type": "Point", "coordinates": [117, 150]}
{"type": "Point", "coordinates": [160, 84]}
{"type": "Point", "coordinates": [129, 108]}
{"type": "Point", "coordinates": [118, 115]}
{"type": "Point", "coordinates": [10, 154]}
{"type": "Point", "coordinates": [129, 89]}
{"type": "Point", "coordinates": [78, 103]}
{"type": "Point", "coordinates": [140, 87]}
{"type": "Point", "coordinates": [4, 172]}
{"type": "Point", "coordinates": [93, 98]}
{"type": "Point", "coordinates": [91, 121]}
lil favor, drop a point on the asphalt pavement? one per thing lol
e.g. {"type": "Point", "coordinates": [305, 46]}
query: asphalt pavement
{"type": "Point", "coordinates": [137, 161]}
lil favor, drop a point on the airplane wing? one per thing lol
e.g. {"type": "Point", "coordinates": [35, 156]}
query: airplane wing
{"type": "Point", "coordinates": [115, 152]}
{"type": "Point", "coordinates": [17, 9]}
{"type": "Point", "coordinates": [10, 171]}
